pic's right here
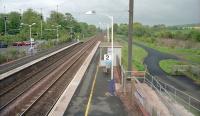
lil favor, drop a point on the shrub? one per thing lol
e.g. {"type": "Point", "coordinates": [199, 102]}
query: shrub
{"type": "Point", "coordinates": [2, 58]}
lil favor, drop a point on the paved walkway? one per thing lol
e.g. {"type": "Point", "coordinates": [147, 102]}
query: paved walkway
{"type": "Point", "coordinates": [182, 83]}
{"type": "Point", "coordinates": [97, 101]}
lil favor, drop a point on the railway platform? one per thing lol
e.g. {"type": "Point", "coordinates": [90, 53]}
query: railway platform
{"type": "Point", "coordinates": [15, 66]}
{"type": "Point", "coordinates": [97, 99]}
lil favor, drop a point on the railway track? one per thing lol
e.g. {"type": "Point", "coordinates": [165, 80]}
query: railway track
{"type": "Point", "coordinates": [18, 87]}
{"type": "Point", "coordinates": [46, 89]}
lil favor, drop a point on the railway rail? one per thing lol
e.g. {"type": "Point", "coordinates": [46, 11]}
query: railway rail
{"type": "Point", "coordinates": [39, 90]}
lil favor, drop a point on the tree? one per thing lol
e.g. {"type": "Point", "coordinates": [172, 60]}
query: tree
{"type": "Point", "coordinates": [56, 18]}
{"type": "Point", "coordinates": [139, 29]}
{"type": "Point", "coordinates": [2, 29]}
{"type": "Point", "coordinates": [30, 17]}
{"type": "Point", "coordinates": [115, 27]}
{"type": "Point", "coordinates": [123, 29]}
{"type": "Point", "coordinates": [67, 22]}
{"type": "Point", "coordinates": [13, 22]}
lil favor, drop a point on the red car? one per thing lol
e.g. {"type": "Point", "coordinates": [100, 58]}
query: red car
{"type": "Point", "coordinates": [18, 44]}
{"type": "Point", "coordinates": [26, 43]}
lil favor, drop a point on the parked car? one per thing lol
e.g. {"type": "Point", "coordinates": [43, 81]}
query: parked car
{"type": "Point", "coordinates": [18, 44]}
{"type": "Point", "coordinates": [26, 43]}
{"type": "Point", "coordinates": [23, 43]}
{"type": "Point", "coordinates": [3, 45]}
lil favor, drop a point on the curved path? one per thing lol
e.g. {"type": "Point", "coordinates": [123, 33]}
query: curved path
{"type": "Point", "coordinates": [180, 82]}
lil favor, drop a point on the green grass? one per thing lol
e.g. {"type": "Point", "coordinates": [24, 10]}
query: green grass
{"type": "Point", "coordinates": [167, 65]}
{"type": "Point", "coordinates": [138, 54]}
{"type": "Point", "coordinates": [192, 55]}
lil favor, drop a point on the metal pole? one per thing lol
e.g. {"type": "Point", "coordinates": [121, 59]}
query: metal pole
{"type": "Point", "coordinates": [41, 23]}
{"type": "Point", "coordinates": [71, 32]}
{"type": "Point", "coordinates": [30, 35]}
{"type": "Point", "coordinates": [108, 36]}
{"type": "Point", "coordinates": [130, 34]}
{"type": "Point", "coordinates": [112, 48]}
{"type": "Point", "coordinates": [5, 18]}
{"type": "Point", "coordinates": [5, 25]}
{"type": "Point", "coordinates": [57, 33]}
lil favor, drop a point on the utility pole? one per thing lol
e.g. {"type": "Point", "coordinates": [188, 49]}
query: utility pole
{"type": "Point", "coordinates": [57, 13]}
{"type": "Point", "coordinates": [71, 32]}
{"type": "Point", "coordinates": [41, 28]}
{"type": "Point", "coordinates": [130, 34]}
{"type": "Point", "coordinates": [5, 20]}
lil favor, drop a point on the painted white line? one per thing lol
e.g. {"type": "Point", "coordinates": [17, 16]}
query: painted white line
{"type": "Point", "coordinates": [64, 100]}
{"type": "Point", "coordinates": [13, 71]}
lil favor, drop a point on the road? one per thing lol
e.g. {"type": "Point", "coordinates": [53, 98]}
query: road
{"type": "Point", "coordinates": [182, 83]}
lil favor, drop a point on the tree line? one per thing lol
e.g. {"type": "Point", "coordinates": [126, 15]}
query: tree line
{"type": "Point", "coordinates": [159, 31]}
{"type": "Point", "coordinates": [70, 27]}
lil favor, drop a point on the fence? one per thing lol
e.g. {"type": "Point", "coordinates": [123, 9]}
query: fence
{"type": "Point", "coordinates": [191, 103]}
{"type": "Point", "coordinates": [168, 94]}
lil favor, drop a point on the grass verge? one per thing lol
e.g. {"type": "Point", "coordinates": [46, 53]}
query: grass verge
{"type": "Point", "coordinates": [138, 54]}
{"type": "Point", "coordinates": [168, 67]}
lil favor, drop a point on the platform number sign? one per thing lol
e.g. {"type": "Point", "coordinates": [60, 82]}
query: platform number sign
{"type": "Point", "coordinates": [107, 57]}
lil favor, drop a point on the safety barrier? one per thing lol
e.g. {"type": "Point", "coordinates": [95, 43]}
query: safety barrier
{"type": "Point", "coordinates": [167, 93]}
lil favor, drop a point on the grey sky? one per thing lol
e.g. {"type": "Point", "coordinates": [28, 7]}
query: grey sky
{"type": "Point", "coordinates": [170, 12]}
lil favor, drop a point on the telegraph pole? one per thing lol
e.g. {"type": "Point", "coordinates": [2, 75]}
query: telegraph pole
{"type": "Point", "coordinates": [41, 28]}
{"type": "Point", "coordinates": [5, 20]}
{"type": "Point", "coordinates": [130, 34]}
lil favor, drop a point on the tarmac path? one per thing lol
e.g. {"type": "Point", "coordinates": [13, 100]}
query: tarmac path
{"type": "Point", "coordinates": [182, 83]}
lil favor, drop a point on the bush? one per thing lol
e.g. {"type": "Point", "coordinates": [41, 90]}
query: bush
{"type": "Point", "coordinates": [2, 58]}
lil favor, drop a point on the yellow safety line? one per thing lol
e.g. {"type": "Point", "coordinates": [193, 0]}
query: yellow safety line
{"type": "Point", "coordinates": [91, 93]}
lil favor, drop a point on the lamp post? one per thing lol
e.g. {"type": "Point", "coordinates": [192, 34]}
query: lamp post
{"type": "Point", "coordinates": [30, 29]}
{"type": "Point", "coordinates": [5, 21]}
{"type": "Point", "coordinates": [111, 19]}
{"type": "Point", "coordinates": [57, 29]}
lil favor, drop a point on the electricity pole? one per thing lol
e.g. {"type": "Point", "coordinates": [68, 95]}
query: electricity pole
{"type": "Point", "coordinates": [5, 20]}
{"type": "Point", "coordinates": [41, 28]}
{"type": "Point", "coordinates": [130, 34]}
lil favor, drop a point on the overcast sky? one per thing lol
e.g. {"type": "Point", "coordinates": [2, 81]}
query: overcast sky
{"type": "Point", "coordinates": [169, 12]}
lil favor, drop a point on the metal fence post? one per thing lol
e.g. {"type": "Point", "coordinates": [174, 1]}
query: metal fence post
{"type": "Point", "coordinates": [160, 87]}
{"type": "Point", "coordinates": [151, 81]}
{"type": "Point", "coordinates": [124, 81]}
{"type": "Point", "coordinates": [189, 103]}
{"type": "Point", "coordinates": [175, 92]}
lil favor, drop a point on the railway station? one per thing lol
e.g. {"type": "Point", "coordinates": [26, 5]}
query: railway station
{"type": "Point", "coordinates": [91, 58]}
{"type": "Point", "coordinates": [82, 84]}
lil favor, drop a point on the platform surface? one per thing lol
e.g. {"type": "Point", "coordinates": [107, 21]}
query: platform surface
{"type": "Point", "coordinates": [102, 102]}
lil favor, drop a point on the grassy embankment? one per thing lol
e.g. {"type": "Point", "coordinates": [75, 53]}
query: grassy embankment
{"type": "Point", "coordinates": [138, 54]}
{"type": "Point", "coordinates": [189, 56]}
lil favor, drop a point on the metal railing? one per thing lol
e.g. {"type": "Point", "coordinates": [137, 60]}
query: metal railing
{"type": "Point", "coordinates": [189, 102]}
{"type": "Point", "coordinates": [168, 93]}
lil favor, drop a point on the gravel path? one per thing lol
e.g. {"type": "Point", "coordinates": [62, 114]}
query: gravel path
{"type": "Point", "coordinates": [182, 83]}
